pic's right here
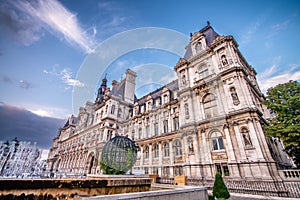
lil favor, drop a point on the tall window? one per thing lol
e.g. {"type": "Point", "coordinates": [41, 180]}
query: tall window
{"type": "Point", "coordinates": [147, 152]}
{"type": "Point", "coordinates": [132, 134]}
{"type": "Point", "coordinates": [210, 105]}
{"type": "Point", "coordinates": [166, 171]}
{"type": "Point", "coordinates": [165, 98]}
{"type": "Point", "coordinates": [149, 105]}
{"type": "Point", "coordinates": [176, 123]}
{"type": "Point", "coordinates": [166, 150]}
{"type": "Point", "coordinates": [217, 141]}
{"type": "Point", "coordinates": [140, 133]}
{"type": "Point", "coordinates": [165, 126]}
{"type": "Point", "coordinates": [156, 151]}
{"type": "Point", "coordinates": [178, 170]}
{"type": "Point", "coordinates": [119, 112]}
{"type": "Point", "coordinates": [178, 150]}
{"type": "Point", "coordinates": [222, 169]}
{"type": "Point", "coordinates": [202, 72]}
{"type": "Point", "coordinates": [113, 108]}
{"type": "Point", "coordinates": [155, 128]}
{"type": "Point", "coordinates": [147, 131]}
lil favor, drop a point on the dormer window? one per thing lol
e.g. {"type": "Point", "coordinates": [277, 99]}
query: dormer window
{"type": "Point", "coordinates": [198, 47]}
{"type": "Point", "coordinates": [165, 98]}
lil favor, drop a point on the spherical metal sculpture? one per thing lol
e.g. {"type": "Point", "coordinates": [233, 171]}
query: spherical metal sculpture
{"type": "Point", "coordinates": [118, 155]}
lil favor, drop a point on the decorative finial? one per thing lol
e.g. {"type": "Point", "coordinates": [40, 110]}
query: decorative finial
{"type": "Point", "coordinates": [191, 34]}
{"type": "Point", "coordinates": [208, 23]}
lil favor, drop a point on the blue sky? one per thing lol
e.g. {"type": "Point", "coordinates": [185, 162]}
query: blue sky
{"type": "Point", "coordinates": [44, 44]}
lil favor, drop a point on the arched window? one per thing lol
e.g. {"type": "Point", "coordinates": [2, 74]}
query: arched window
{"type": "Point", "coordinates": [113, 107]}
{"type": "Point", "coordinates": [156, 151]}
{"type": "Point", "coordinates": [166, 150]}
{"type": "Point", "coordinates": [147, 152]}
{"type": "Point", "coordinates": [217, 141]}
{"type": "Point", "coordinates": [165, 123]}
{"type": "Point", "coordinates": [246, 137]}
{"type": "Point", "coordinates": [178, 150]}
{"type": "Point", "coordinates": [119, 112]}
{"type": "Point", "coordinates": [210, 105]}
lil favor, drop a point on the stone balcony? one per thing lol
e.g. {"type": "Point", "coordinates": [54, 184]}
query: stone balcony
{"type": "Point", "coordinates": [290, 174]}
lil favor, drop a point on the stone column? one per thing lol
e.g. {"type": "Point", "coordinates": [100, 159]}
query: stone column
{"type": "Point", "coordinates": [239, 141]}
{"type": "Point", "coordinates": [104, 135]}
{"type": "Point", "coordinates": [150, 159]}
{"type": "Point", "coordinates": [185, 148]}
{"type": "Point", "coordinates": [142, 157]}
{"type": "Point", "coordinates": [206, 152]}
{"type": "Point", "coordinates": [160, 153]}
{"type": "Point", "coordinates": [196, 148]}
{"type": "Point", "coordinates": [231, 156]}
{"type": "Point", "coordinates": [254, 140]}
{"type": "Point", "coordinates": [160, 158]}
{"type": "Point", "coordinates": [171, 159]}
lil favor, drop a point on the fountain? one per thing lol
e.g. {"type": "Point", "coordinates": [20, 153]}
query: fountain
{"type": "Point", "coordinates": [117, 158]}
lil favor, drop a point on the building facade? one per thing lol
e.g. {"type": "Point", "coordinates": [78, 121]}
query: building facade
{"type": "Point", "coordinates": [208, 120]}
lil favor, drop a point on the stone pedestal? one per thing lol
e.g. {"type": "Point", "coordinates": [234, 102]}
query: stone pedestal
{"type": "Point", "coordinates": [180, 180]}
{"type": "Point", "coordinates": [153, 177]}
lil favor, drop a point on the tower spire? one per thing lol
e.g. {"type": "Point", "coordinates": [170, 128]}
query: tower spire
{"type": "Point", "coordinates": [101, 90]}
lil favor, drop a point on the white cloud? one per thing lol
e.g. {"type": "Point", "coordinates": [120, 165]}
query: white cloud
{"type": "Point", "coordinates": [270, 77]}
{"type": "Point", "coordinates": [53, 16]}
{"type": "Point", "coordinates": [66, 76]}
{"type": "Point", "coordinates": [280, 26]}
{"type": "Point", "coordinates": [47, 111]}
{"type": "Point", "coordinates": [42, 113]}
{"type": "Point", "coordinates": [94, 31]}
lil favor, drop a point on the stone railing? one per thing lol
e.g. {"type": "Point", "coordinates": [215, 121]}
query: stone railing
{"type": "Point", "coordinates": [290, 174]}
{"type": "Point", "coordinates": [281, 188]}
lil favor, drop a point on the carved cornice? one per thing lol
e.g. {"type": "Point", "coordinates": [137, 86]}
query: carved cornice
{"type": "Point", "coordinates": [221, 39]}
{"type": "Point", "coordinates": [181, 62]}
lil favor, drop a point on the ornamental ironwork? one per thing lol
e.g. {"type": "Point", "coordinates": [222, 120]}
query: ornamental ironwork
{"type": "Point", "coordinates": [118, 155]}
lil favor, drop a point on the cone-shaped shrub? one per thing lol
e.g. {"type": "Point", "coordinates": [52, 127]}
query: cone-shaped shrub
{"type": "Point", "coordinates": [220, 189]}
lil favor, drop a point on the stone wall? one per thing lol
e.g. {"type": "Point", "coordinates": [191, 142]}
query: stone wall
{"type": "Point", "coordinates": [190, 193]}
{"type": "Point", "coordinates": [66, 188]}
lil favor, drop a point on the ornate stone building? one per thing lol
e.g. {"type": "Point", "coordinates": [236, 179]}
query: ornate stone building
{"type": "Point", "coordinates": [210, 119]}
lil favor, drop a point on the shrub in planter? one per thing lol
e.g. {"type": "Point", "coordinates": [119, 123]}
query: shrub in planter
{"type": "Point", "coordinates": [219, 188]}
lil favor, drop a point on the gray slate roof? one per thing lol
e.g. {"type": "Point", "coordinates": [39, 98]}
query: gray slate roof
{"type": "Point", "coordinates": [210, 36]}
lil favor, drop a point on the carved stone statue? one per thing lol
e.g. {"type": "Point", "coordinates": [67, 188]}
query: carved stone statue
{"type": "Point", "coordinates": [247, 140]}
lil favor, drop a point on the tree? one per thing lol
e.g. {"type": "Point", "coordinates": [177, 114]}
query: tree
{"type": "Point", "coordinates": [219, 188]}
{"type": "Point", "coordinates": [283, 101]}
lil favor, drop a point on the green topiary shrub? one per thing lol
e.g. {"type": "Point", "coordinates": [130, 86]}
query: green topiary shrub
{"type": "Point", "coordinates": [220, 189]}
